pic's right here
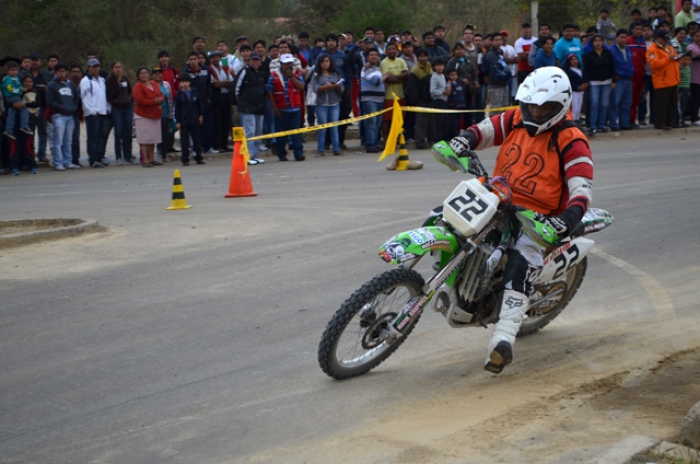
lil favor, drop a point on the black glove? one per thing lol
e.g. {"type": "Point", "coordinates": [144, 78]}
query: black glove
{"type": "Point", "coordinates": [555, 223]}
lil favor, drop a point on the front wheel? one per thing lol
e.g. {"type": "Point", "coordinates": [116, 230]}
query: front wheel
{"type": "Point", "coordinates": [355, 341]}
{"type": "Point", "coordinates": [538, 316]}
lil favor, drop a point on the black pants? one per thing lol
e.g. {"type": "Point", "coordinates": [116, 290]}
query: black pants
{"type": "Point", "coordinates": [98, 127]}
{"type": "Point", "coordinates": [75, 146]}
{"type": "Point", "coordinates": [168, 138]}
{"type": "Point", "coordinates": [694, 103]}
{"type": "Point", "coordinates": [221, 115]}
{"type": "Point", "coordinates": [442, 120]}
{"type": "Point", "coordinates": [345, 107]}
{"type": "Point", "coordinates": [666, 106]}
{"type": "Point", "coordinates": [185, 132]}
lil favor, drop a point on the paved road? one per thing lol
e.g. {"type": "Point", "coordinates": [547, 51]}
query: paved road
{"type": "Point", "coordinates": [191, 336]}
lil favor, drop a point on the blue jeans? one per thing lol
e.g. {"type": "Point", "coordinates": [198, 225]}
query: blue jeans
{"type": "Point", "coordinates": [600, 96]}
{"type": "Point", "coordinates": [289, 120]}
{"type": "Point", "coordinates": [62, 139]}
{"type": "Point", "coordinates": [620, 104]}
{"type": "Point", "coordinates": [12, 113]}
{"type": "Point", "coordinates": [253, 126]}
{"type": "Point", "coordinates": [122, 120]}
{"type": "Point", "coordinates": [372, 125]}
{"type": "Point", "coordinates": [98, 127]}
{"type": "Point", "coordinates": [326, 114]}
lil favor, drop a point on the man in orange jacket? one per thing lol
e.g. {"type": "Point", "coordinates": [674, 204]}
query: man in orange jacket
{"type": "Point", "coordinates": [666, 75]}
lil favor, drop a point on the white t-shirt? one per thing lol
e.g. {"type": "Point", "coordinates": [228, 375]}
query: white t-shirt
{"type": "Point", "coordinates": [509, 52]}
{"type": "Point", "coordinates": [522, 45]}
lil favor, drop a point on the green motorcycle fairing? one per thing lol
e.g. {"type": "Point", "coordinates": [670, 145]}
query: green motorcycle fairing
{"type": "Point", "coordinates": [414, 243]}
{"type": "Point", "coordinates": [540, 232]}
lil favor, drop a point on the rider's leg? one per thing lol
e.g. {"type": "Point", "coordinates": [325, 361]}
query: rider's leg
{"type": "Point", "coordinates": [523, 268]}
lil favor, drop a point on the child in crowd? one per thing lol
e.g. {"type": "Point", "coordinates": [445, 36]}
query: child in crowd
{"type": "Point", "coordinates": [605, 26]}
{"type": "Point", "coordinates": [457, 100]}
{"type": "Point", "coordinates": [439, 91]}
{"type": "Point", "coordinates": [12, 92]}
{"type": "Point", "coordinates": [189, 116]}
{"type": "Point", "coordinates": [684, 89]}
{"type": "Point", "coordinates": [21, 153]}
{"type": "Point", "coordinates": [573, 71]}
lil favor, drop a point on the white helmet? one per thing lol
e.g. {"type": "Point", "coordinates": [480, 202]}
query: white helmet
{"type": "Point", "coordinates": [545, 85]}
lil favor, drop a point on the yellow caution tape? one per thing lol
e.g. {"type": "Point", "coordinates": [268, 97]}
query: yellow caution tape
{"type": "Point", "coordinates": [322, 126]}
{"type": "Point", "coordinates": [411, 109]}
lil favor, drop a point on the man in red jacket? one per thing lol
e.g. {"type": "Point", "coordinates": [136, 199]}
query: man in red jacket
{"type": "Point", "coordinates": [285, 90]}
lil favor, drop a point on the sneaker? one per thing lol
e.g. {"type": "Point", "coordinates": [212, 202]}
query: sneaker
{"type": "Point", "coordinates": [373, 150]}
{"type": "Point", "coordinates": [301, 158]}
{"type": "Point", "coordinates": [104, 163]}
{"type": "Point", "coordinates": [500, 357]}
{"type": "Point", "coordinates": [252, 162]}
{"type": "Point", "coordinates": [211, 151]}
{"type": "Point", "coordinates": [9, 135]}
{"type": "Point", "coordinates": [34, 171]}
{"type": "Point", "coordinates": [186, 163]}
{"type": "Point", "coordinates": [264, 148]}
{"type": "Point", "coordinates": [73, 166]}
{"type": "Point", "coordinates": [97, 164]}
{"type": "Point", "coordinates": [410, 141]}
{"type": "Point", "coordinates": [59, 168]}
{"type": "Point", "coordinates": [592, 131]}
{"type": "Point", "coordinates": [320, 154]}
{"type": "Point", "coordinates": [260, 160]}
{"type": "Point", "coordinates": [642, 123]}
{"type": "Point", "coordinates": [338, 153]}
{"type": "Point", "coordinates": [200, 161]}
{"type": "Point", "coordinates": [42, 160]}
{"type": "Point", "coordinates": [604, 129]}
{"type": "Point", "coordinates": [173, 150]}
{"type": "Point", "coordinates": [14, 172]}
{"type": "Point", "coordinates": [697, 123]}
{"type": "Point", "coordinates": [343, 146]}
{"type": "Point", "coordinates": [119, 162]}
{"type": "Point", "coordinates": [27, 130]}
{"type": "Point", "coordinates": [615, 129]}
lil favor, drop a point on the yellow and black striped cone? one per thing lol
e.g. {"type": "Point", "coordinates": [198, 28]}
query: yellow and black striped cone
{"type": "Point", "coordinates": [402, 162]}
{"type": "Point", "coordinates": [178, 201]}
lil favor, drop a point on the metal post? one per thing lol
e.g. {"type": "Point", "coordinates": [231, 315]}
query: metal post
{"type": "Point", "coordinates": [534, 7]}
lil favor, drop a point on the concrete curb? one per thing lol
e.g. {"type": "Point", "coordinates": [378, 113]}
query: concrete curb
{"type": "Point", "coordinates": [75, 227]}
{"type": "Point", "coordinates": [622, 451]}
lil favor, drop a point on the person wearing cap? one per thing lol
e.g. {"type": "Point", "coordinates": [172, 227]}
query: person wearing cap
{"type": "Point", "coordinates": [665, 75]}
{"type": "Point", "coordinates": [122, 115]}
{"type": "Point", "coordinates": [285, 91]}
{"type": "Point", "coordinates": [220, 102]}
{"type": "Point", "coordinates": [522, 49]}
{"type": "Point", "coordinates": [63, 99]}
{"type": "Point", "coordinates": [249, 92]}
{"type": "Point", "coordinates": [96, 109]}
{"type": "Point", "coordinates": [439, 33]}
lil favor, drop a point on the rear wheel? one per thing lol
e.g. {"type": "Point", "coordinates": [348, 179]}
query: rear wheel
{"type": "Point", "coordinates": [355, 341]}
{"type": "Point", "coordinates": [556, 295]}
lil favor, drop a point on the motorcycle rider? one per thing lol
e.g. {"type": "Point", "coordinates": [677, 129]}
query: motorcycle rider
{"type": "Point", "coordinates": [548, 164]}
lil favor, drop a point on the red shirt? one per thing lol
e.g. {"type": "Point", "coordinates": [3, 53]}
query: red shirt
{"type": "Point", "coordinates": [172, 76]}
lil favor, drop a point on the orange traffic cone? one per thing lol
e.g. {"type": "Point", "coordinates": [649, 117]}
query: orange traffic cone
{"type": "Point", "coordinates": [240, 184]}
{"type": "Point", "coordinates": [178, 201]}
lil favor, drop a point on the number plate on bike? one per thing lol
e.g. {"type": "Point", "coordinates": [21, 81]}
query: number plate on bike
{"type": "Point", "coordinates": [469, 207]}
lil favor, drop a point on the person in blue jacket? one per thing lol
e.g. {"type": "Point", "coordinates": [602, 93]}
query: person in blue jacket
{"type": "Point", "coordinates": [621, 96]}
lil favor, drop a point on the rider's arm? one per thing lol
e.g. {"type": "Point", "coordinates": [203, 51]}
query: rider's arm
{"type": "Point", "coordinates": [490, 132]}
{"type": "Point", "coordinates": [578, 173]}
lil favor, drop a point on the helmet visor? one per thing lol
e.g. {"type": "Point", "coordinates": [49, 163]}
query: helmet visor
{"type": "Point", "coordinates": [540, 114]}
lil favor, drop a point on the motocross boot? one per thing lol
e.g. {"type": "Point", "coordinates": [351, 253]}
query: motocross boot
{"type": "Point", "coordinates": [500, 350]}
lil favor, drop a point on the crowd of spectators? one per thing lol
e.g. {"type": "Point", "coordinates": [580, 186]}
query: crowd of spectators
{"type": "Point", "coordinates": [618, 75]}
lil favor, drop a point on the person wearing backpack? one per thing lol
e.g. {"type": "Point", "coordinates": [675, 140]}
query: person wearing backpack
{"type": "Point", "coordinates": [499, 75]}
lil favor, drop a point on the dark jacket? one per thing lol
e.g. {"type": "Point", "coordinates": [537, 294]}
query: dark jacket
{"type": "Point", "coordinates": [118, 93]}
{"type": "Point", "coordinates": [496, 66]}
{"type": "Point", "coordinates": [250, 91]}
{"type": "Point", "coordinates": [599, 68]}
{"type": "Point", "coordinates": [62, 98]}
{"type": "Point", "coordinates": [418, 90]}
{"type": "Point", "coordinates": [575, 79]}
{"type": "Point", "coordinates": [188, 110]}
{"type": "Point", "coordinates": [465, 70]}
{"type": "Point", "coordinates": [201, 81]}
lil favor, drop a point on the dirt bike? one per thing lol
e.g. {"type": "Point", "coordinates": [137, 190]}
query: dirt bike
{"type": "Point", "coordinates": [468, 240]}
